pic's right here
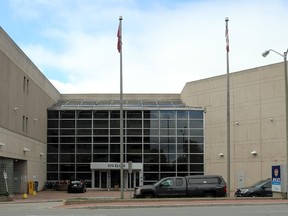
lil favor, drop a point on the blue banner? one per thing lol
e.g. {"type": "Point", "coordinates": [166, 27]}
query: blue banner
{"type": "Point", "coordinates": [276, 178]}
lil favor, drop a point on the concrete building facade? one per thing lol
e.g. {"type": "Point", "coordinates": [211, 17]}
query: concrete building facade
{"type": "Point", "coordinates": [257, 119]}
{"type": "Point", "coordinates": [257, 122]}
{"type": "Point", "coordinates": [25, 94]}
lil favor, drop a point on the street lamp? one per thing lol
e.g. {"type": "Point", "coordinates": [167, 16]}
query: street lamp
{"type": "Point", "coordinates": [284, 55]}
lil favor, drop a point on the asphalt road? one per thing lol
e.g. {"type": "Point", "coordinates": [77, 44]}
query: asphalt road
{"type": "Point", "coordinates": [56, 209]}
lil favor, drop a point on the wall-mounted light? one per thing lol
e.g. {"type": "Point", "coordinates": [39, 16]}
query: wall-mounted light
{"type": "Point", "coordinates": [2, 144]}
{"type": "Point", "coordinates": [254, 153]}
{"type": "Point", "coordinates": [271, 119]}
{"type": "Point", "coordinates": [26, 150]}
{"type": "Point", "coordinates": [35, 119]}
{"type": "Point", "coordinates": [221, 155]}
{"type": "Point", "coordinates": [237, 123]}
{"type": "Point", "coordinates": [16, 108]}
{"type": "Point", "coordinates": [41, 154]}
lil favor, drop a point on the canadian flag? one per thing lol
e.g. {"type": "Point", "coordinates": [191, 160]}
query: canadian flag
{"type": "Point", "coordinates": [119, 35]}
{"type": "Point", "coordinates": [227, 38]}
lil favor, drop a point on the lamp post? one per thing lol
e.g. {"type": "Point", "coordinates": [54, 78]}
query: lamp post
{"type": "Point", "coordinates": [284, 55]}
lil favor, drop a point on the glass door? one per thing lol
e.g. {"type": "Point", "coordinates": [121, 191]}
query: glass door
{"type": "Point", "coordinates": [115, 179]}
{"type": "Point", "coordinates": [103, 177]}
{"type": "Point", "coordinates": [134, 178]}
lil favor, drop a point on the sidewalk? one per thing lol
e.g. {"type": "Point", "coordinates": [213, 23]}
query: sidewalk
{"type": "Point", "coordinates": [50, 195]}
{"type": "Point", "coordinates": [112, 199]}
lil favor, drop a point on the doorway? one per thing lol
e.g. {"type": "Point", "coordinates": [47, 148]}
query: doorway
{"type": "Point", "coordinates": [115, 178]}
{"type": "Point", "coordinates": [134, 178]}
{"type": "Point", "coordinates": [100, 180]}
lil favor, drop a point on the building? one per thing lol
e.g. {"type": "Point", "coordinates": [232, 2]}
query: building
{"type": "Point", "coordinates": [45, 135]}
{"type": "Point", "coordinates": [162, 137]}
{"type": "Point", "coordinates": [258, 122]}
{"type": "Point", "coordinates": [25, 94]}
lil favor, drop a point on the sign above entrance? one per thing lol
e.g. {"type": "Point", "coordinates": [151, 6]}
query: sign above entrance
{"type": "Point", "coordinates": [115, 166]}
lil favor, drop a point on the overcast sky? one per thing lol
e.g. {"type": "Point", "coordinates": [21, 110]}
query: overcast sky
{"type": "Point", "coordinates": [166, 43]}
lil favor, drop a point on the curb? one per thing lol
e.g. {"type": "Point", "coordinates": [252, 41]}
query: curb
{"type": "Point", "coordinates": [199, 201]}
{"type": "Point", "coordinates": [6, 199]}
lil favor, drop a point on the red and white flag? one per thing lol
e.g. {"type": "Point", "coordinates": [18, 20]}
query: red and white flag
{"type": "Point", "coordinates": [227, 38]}
{"type": "Point", "coordinates": [119, 35]}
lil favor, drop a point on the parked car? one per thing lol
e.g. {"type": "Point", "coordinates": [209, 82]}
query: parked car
{"type": "Point", "coordinates": [262, 188]}
{"type": "Point", "coordinates": [189, 186]}
{"type": "Point", "coordinates": [76, 186]}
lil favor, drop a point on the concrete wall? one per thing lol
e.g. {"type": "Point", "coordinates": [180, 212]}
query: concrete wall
{"type": "Point", "coordinates": [25, 95]}
{"type": "Point", "coordinates": [257, 107]}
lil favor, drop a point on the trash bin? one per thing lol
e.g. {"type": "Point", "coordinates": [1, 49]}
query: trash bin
{"type": "Point", "coordinates": [36, 186]}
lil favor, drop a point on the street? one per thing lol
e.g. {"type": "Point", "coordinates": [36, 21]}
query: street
{"type": "Point", "coordinates": [57, 209]}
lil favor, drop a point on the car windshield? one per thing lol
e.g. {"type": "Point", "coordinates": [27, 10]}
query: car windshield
{"type": "Point", "coordinates": [259, 183]}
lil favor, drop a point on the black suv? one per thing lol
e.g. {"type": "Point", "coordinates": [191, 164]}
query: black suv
{"type": "Point", "coordinates": [262, 188]}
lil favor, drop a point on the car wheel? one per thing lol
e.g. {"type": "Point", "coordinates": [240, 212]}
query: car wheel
{"type": "Point", "coordinates": [148, 195]}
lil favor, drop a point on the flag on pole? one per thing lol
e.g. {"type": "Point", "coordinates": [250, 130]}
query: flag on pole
{"type": "Point", "coordinates": [119, 35]}
{"type": "Point", "coordinates": [227, 37]}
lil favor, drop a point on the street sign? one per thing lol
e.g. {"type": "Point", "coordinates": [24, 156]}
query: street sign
{"type": "Point", "coordinates": [130, 167]}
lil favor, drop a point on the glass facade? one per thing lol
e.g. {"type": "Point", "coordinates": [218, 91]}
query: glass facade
{"type": "Point", "coordinates": [169, 142]}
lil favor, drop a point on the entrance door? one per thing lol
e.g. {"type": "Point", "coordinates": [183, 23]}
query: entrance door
{"type": "Point", "coordinates": [100, 179]}
{"type": "Point", "coordinates": [135, 179]}
{"type": "Point", "coordinates": [115, 178]}
{"type": "Point", "coordinates": [97, 179]}
{"type": "Point", "coordinates": [103, 177]}
{"type": "Point", "coordinates": [17, 182]}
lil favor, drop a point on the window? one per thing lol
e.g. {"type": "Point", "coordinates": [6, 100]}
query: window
{"type": "Point", "coordinates": [179, 182]}
{"type": "Point", "coordinates": [182, 114]}
{"type": "Point", "coordinates": [67, 114]}
{"type": "Point", "coordinates": [151, 114]}
{"type": "Point", "coordinates": [83, 114]}
{"type": "Point", "coordinates": [196, 114]}
{"type": "Point", "coordinates": [167, 183]}
{"type": "Point", "coordinates": [167, 114]}
{"type": "Point", "coordinates": [27, 89]}
{"type": "Point", "coordinates": [24, 124]}
{"type": "Point", "coordinates": [101, 114]}
{"type": "Point", "coordinates": [203, 180]}
{"type": "Point", "coordinates": [84, 123]}
{"type": "Point", "coordinates": [53, 124]}
{"type": "Point", "coordinates": [168, 142]}
{"type": "Point", "coordinates": [134, 114]}
{"type": "Point", "coordinates": [53, 114]}
{"type": "Point", "coordinates": [25, 84]}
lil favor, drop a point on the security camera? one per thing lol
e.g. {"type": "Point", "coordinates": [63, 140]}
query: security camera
{"type": "Point", "coordinates": [26, 149]}
{"type": "Point", "coordinates": [254, 152]}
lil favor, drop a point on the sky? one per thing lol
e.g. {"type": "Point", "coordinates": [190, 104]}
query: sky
{"type": "Point", "coordinates": [166, 43]}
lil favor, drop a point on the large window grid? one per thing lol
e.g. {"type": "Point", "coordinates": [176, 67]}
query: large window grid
{"type": "Point", "coordinates": [167, 142]}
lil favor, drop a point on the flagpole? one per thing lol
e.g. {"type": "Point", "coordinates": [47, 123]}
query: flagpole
{"type": "Point", "coordinates": [119, 34]}
{"type": "Point", "coordinates": [228, 109]}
